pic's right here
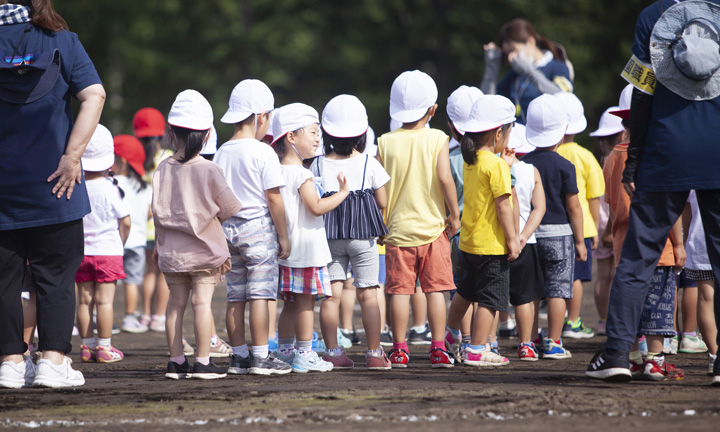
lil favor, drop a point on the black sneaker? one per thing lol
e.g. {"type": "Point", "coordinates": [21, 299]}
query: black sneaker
{"type": "Point", "coordinates": [420, 337]}
{"type": "Point", "coordinates": [608, 368]}
{"type": "Point", "coordinates": [352, 335]}
{"type": "Point", "coordinates": [269, 366]}
{"type": "Point", "coordinates": [178, 371]}
{"type": "Point", "coordinates": [208, 372]}
{"type": "Point", "coordinates": [240, 365]}
{"type": "Point", "coordinates": [386, 337]}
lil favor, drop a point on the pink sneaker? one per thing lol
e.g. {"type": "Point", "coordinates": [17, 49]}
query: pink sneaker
{"type": "Point", "coordinates": [339, 361]}
{"type": "Point", "coordinates": [484, 358]}
{"type": "Point", "coordinates": [378, 362]}
{"type": "Point", "coordinates": [452, 344]}
{"type": "Point", "coordinates": [109, 354]}
{"type": "Point", "coordinates": [87, 354]}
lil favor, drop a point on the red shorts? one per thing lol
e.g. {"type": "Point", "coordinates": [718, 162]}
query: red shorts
{"type": "Point", "coordinates": [428, 263]}
{"type": "Point", "coordinates": [100, 269]}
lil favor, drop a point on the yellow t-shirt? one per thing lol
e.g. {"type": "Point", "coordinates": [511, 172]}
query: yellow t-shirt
{"type": "Point", "coordinates": [590, 181]}
{"type": "Point", "coordinates": [486, 180]}
{"type": "Point", "coordinates": [415, 214]}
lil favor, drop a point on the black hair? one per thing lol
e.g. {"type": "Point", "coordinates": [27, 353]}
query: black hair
{"type": "Point", "coordinates": [343, 146]}
{"type": "Point", "coordinates": [193, 139]}
{"type": "Point", "coordinates": [142, 184]}
{"type": "Point", "coordinates": [280, 147]}
{"type": "Point", "coordinates": [150, 145]}
{"type": "Point", "coordinates": [111, 175]}
{"type": "Point", "coordinates": [472, 141]}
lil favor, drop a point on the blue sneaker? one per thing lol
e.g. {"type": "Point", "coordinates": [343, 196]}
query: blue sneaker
{"type": "Point", "coordinates": [555, 351]}
{"type": "Point", "coordinates": [343, 340]}
{"type": "Point", "coordinates": [318, 345]}
{"type": "Point", "coordinates": [310, 362]}
{"type": "Point", "coordinates": [576, 330]}
{"type": "Point", "coordinates": [273, 344]}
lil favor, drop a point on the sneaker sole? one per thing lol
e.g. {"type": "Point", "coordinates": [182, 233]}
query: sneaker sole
{"type": "Point", "coordinates": [379, 368]}
{"type": "Point", "coordinates": [484, 364]}
{"type": "Point", "coordinates": [574, 335]}
{"type": "Point", "coordinates": [398, 366]}
{"type": "Point", "coordinates": [692, 351]}
{"type": "Point", "coordinates": [177, 376]}
{"type": "Point", "coordinates": [220, 355]}
{"type": "Point", "coordinates": [12, 383]}
{"type": "Point", "coordinates": [110, 361]}
{"type": "Point", "coordinates": [260, 371]}
{"type": "Point", "coordinates": [528, 359]}
{"type": "Point", "coordinates": [55, 383]}
{"type": "Point", "coordinates": [715, 381]}
{"type": "Point", "coordinates": [611, 375]}
{"type": "Point", "coordinates": [442, 365]}
{"type": "Point", "coordinates": [208, 376]}
{"type": "Point", "coordinates": [557, 356]}
{"type": "Point", "coordinates": [237, 371]}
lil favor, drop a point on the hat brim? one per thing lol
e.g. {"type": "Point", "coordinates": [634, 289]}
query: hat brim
{"type": "Point", "coordinates": [232, 117]}
{"type": "Point", "coordinates": [663, 36]}
{"type": "Point", "coordinates": [603, 132]}
{"type": "Point", "coordinates": [623, 114]}
{"type": "Point", "coordinates": [577, 127]}
{"type": "Point", "coordinates": [408, 116]}
{"type": "Point", "coordinates": [544, 139]}
{"type": "Point", "coordinates": [344, 132]}
{"type": "Point", "coordinates": [98, 164]}
{"type": "Point", "coordinates": [138, 167]}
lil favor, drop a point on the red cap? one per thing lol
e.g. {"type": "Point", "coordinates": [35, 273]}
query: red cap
{"type": "Point", "coordinates": [129, 148]}
{"type": "Point", "coordinates": [148, 122]}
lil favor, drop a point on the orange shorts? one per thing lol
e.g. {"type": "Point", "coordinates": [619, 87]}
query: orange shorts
{"type": "Point", "coordinates": [428, 263]}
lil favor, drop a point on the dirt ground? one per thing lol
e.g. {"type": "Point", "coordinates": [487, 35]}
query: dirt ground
{"type": "Point", "coordinates": [133, 394]}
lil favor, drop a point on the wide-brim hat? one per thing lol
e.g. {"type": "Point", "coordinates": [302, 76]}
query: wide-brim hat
{"type": "Point", "coordinates": [22, 83]}
{"type": "Point", "coordinates": [210, 146]}
{"type": "Point", "coordinates": [684, 49]}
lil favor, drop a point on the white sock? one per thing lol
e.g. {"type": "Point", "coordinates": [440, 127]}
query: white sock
{"type": "Point", "coordinates": [260, 351]}
{"type": "Point", "coordinates": [214, 339]}
{"type": "Point", "coordinates": [419, 329]}
{"type": "Point", "coordinates": [335, 351]}
{"type": "Point", "coordinates": [104, 342]}
{"type": "Point", "coordinates": [90, 342]}
{"type": "Point", "coordinates": [241, 350]}
{"type": "Point", "coordinates": [304, 346]}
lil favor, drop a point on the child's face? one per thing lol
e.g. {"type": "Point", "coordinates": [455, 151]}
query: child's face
{"type": "Point", "coordinates": [501, 142]}
{"type": "Point", "coordinates": [307, 141]}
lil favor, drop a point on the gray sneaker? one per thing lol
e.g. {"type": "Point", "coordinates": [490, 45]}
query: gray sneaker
{"type": "Point", "coordinates": [420, 337]}
{"type": "Point", "coordinates": [269, 366]}
{"type": "Point", "coordinates": [240, 365]}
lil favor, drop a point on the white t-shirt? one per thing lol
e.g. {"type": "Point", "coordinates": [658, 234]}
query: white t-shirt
{"type": "Point", "coordinates": [251, 167]}
{"type": "Point", "coordinates": [697, 256]}
{"type": "Point", "coordinates": [102, 235]}
{"type": "Point", "coordinates": [524, 187]}
{"type": "Point", "coordinates": [138, 201]}
{"type": "Point", "coordinates": [352, 168]}
{"type": "Point", "coordinates": [308, 242]}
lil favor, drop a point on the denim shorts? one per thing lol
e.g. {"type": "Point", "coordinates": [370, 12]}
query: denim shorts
{"type": "Point", "coordinates": [557, 262]}
{"type": "Point", "coordinates": [362, 254]}
{"type": "Point", "coordinates": [134, 263]}
{"type": "Point", "coordinates": [485, 280]}
{"type": "Point", "coordinates": [658, 312]}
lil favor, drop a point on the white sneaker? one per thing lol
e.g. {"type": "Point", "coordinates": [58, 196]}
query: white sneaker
{"type": "Point", "coordinates": [63, 375]}
{"type": "Point", "coordinates": [303, 363]}
{"type": "Point", "coordinates": [692, 344]}
{"type": "Point", "coordinates": [711, 363]}
{"type": "Point", "coordinates": [131, 324]}
{"type": "Point", "coordinates": [16, 375]}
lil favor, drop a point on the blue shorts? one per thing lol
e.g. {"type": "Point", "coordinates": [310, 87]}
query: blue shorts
{"type": "Point", "coordinates": [583, 270]}
{"type": "Point", "coordinates": [381, 274]}
{"type": "Point", "coordinates": [134, 263]}
{"type": "Point", "coordinates": [658, 312]}
{"type": "Point", "coordinates": [684, 281]}
{"type": "Point", "coordinates": [557, 262]}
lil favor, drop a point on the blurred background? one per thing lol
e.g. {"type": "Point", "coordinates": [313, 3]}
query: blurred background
{"type": "Point", "coordinates": [309, 50]}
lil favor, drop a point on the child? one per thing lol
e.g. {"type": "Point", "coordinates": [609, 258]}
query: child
{"type": "Point", "coordinates": [257, 234]}
{"type": "Point", "coordinates": [353, 226]}
{"type": "Point", "coordinates": [303, 274]}
{"type": "Point", "coordinates": [129, 160]}
{"type": "Point", "coordinates": [591, 187]}
{"type": "Point", "coordinates": [106, 230]}
{"type": "Point", "coordinates": [420, 187]}
{"type": "Point", "coordinates": [488, 237]}
{"type": "Point", "coordinates": [560, 238]}
{"type": "Point", "coordinates": [190, 200]}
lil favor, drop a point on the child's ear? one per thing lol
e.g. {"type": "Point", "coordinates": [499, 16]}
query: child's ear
{"type": "Point", "coordinates": [432, 110]}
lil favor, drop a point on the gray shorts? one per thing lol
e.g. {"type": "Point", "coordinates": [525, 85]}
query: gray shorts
{"type": "Point", "coordinates": [362, 254]}
{"type": "Point", "coordinates": [557, 261]}
{"type": "Point", "coordinates": [134, 264]}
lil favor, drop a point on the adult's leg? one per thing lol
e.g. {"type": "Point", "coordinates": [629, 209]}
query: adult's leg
{"type": "Point", "coordinates": [12, 268]}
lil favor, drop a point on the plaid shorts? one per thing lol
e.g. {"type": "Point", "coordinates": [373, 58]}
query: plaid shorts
{"type": "Point", "coordinates": [699, 275]}
{"type": "Point", "coordinates": [310, 281]}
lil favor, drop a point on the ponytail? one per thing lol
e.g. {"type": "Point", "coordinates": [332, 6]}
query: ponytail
{"type": "Point", "coordinates": [44, 15]}
{"type": "Point", "coordinates": [193, 139]}
{"type": "Point", "coordinates": [111, 175]}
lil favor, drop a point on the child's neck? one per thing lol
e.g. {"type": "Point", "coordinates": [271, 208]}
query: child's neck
{"type": "Point", "coordinates": [335, 156]}
{"type": "Point", "coordinates": [291, 158]}
{"type": "Point", "coordinates": [417, 125]}
{"type": "Point", "coordinates": [568, 139]}
{"type": "Point", "coordinates": [246, 131]}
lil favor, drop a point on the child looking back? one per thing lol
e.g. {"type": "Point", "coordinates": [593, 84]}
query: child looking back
{"type": "Point", "coordinates": [420, 188]}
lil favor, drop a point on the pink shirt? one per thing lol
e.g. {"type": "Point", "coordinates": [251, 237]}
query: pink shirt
{"type": "Point", "coordinates": [189, 202]}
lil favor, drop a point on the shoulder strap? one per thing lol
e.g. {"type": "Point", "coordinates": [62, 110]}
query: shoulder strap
{"type": "Point", "coordinates": [364, 169]}
{"type": "Point", "coordinates": [28, 26]}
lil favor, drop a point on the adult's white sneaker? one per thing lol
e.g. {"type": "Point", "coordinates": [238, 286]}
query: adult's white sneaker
{"type": "Point", "coordinates": [55, 376]}
{"type": "Point", "coordinates": [16, 375]}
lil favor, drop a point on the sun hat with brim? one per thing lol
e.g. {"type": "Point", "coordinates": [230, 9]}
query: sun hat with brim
{"type": "Point", "coordinates": [292, 117]}
{"type": "Point", "coordinates": [22, 83]}
{"type": "Point", "coordinates": [99, 154]}
{"type": "Point", "coordinates": [685, 49]}
{"type": "Point", "coordinates": [609, 124]}
{"type": "Point", "coordinates": [191, 111]}
{"type": "Point", "coordinates": [345, 117]}
{"type": "Point", "coordinates": [249, 97]}
{"type": "Point", "coordinates": [546, 121]}
{"type": "Point", "coordinates": [518, 141]}
{"type": "Point", "coordinates": [148, 122]}
{"type": "Point", "coordinates": [411, 95]}
{"type": "Point", "coordinates": [576, 113]}
{"type": "Point", "coordinates": [460, 103]}
{"type": "Point", "coordinates": [129, 148]}
{"type": "Point", "coordinates": [489, 112]}
{"type": "Point", "coordinates": [623, 110]}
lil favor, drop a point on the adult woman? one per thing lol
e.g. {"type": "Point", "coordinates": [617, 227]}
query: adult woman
{"type": "Point", "coordinates": [538, 66]}
{"type": "Point", "coordinates": [42, 192]}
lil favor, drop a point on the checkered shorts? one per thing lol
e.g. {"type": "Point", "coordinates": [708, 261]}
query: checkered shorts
{"type": "Point", "coordinates": [699, 275]}
{"type": "Point", "coordinates": [310, 281]}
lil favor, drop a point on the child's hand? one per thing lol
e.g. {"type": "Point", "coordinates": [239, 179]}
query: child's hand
{"type": "Point", "coordinates": [284, 243]}
{"type": "Point", "coordinates": [381, 240]}
{"type": "Point", "coordinates": [452, 226]}
{"type": "Point", "coordinates": [226, 267]}
{"type": "Point", "coordinates": [680, 257]}
{"type": "Point", "coordinates": [594, 243]}
{"type": "Point", "coordinates": [515, 249]}
{"type": "Point", "coordinates": [342, 182]}
{"type": "Point", "coordinates": [580, 251]}
{"type": "Point", "coordinates": [607, 239]}
{"type": "Point", "coordinates": [522, 238]}
{"type": "Point", "coordinates": [508, 155]}
{"type": "Point", "coordinates": [155, 256]}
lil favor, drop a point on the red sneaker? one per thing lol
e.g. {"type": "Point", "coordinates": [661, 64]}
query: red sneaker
{"type": "Point", "coordinates": [439, 358]}
{"type": "Point", "coordinates": [637, 369]}
{"type": "Point", "coordinates": [656, 372]}
{"type": "Point", "coordinates": [399, 358]}
{"type": "Point", "coordinates": [527, 352]}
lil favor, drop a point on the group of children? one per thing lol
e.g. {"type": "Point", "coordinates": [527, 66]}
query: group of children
{"type": "Point", "coordinates": [295, 219]}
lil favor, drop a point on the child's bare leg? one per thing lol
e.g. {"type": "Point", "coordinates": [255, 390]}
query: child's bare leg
{"type": "Point", "coordinates": [86, 294]}
{"type": "Point", "coordinates": [131, 298]}
{"type": "Point", "coordinates": [286, 321]}
{"type": "Point", "coordinates": [459, 308]}
{"type": "Point", "coordinates": [575, 303]}
{"type": "Point", "coordinates": [201, 298]}
{"type": "Point", "coordinates": [706, 315]}
{"type": "Point", "coordinates": [370, 310]}
{"type": "Point", "coordinates": [304, 304]}
{"type": "Point", "coordinates": [104, 295]}
{"type": "Point", "coordinates": [418, 304]}
{"type": "Point", "coordinates": [235, 323]}
{"type": "Point", "coordinates": [556, 317]}
{"type": "Point", "coordinates": [536, 311]}
{"type": "Point", "coordinates": [329, 314]}
{"type": "Point", "coordinates": [689, 309]}
{"type": "Point", "coordinates": [493, 330]}
{"type": "Point", "coordinates": [347, 306]}
{"type": "Point", "coordinates": [525, 316]}
{"type": "Point", "coordinates": [466, 323]}
{"type": "Point", "coordinates": [484, 318]}
{"type": "Point", "coordinates": [400, 308]}
{"type": "Point", "coordinates": [437, 314]}
{"type": "Point", "coordinates": [259, 321]}
{"type": "Point", "coordinates": [149, 282]}
{"type": "Point", "coordinates": [174, 318]}
{"type": "Point", "coordinates": [272, 318]}
{"type": "Point", "coordinates": [655, 344]}
{"type": "Point", "coordinates": [382, 304]}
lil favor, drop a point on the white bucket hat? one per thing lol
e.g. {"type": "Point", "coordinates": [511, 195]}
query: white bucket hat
{"type": "Point", "coordinates": [685, 49]}
{"type": "Point", "coordinates": [411, 95]}
{"type": "Point", "coordinates": [609, 124]}
{"type": "Point", "coordinates": [623, 110]}
{"type": "Point", "coordinates": [292, 117]}
{"type": "Point", "coordinates": [249, 97]}
{"type": "Point", "coordinates": [546, 121]}
{"type": "Point", "coordinates": [191, 111]}
{"type": "Point", "coordinates": [99, 154]}
{"type": "Point", "coordinates": [460, 103]}
{"type": "Point", "coordinates": [489, 112]}
{"type": "Point", "coordinates": [576, 113]}
{"type": "Point", "coordinates": [518, 140]}
{"type": "Point", "coordinates": [345, 117]}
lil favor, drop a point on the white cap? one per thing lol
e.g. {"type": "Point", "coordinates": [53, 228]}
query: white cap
{"type": "Point", "coordinates": [345, 117]}
{"type": "Point", "coordinates": [576, 113]}
{"type": "Point", "coordinates": [411, 95]}
{"type": "Point", "coordinates": [518, 141]}
{"type": "Point", "coordinates": [291, 118]}
{"type": "Point", "coordinates": [489, 112]}
{"type": "Point", "coordinates": [609, 124]}
{"type": "Point", "coordinates": [546, 121]}
{"type": "Point", "coordinates": [623, 110]}
{"type": "Point", "coordinates": [460, 103]}
{"type": "Point", "coordinates": [99, 154]}
{"type": "Point", "coordinates": [210, 147]}
{"type": "Point", "coordinates": [249, 97]}
{"type": "Point", "coordinates": [191, 111]}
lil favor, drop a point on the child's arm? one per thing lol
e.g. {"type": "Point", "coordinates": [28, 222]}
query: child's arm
{"type": "Point", "coordinates": [594, 204]}
{"type": "Point", "coordinates": [505, 215]}
{"type": "Point", "coordinates": [124, 227]}
{"type": "Point", "coordinates": [320, 206]}
{"type": "Point", "coordinates": [538, 210]}
{"type": "Point", "coordinates": [572, 203]}
{"type": "Point", "coordinates": [381, 197]}
{"type": "Point", "coordinates": [676, 238]}
{"type": "Point", "coordinates": [277, 213]}
{"type": "Point", "coordinates": [516, 214]}
{"type": "Point", "coordinates": [448, 188]}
